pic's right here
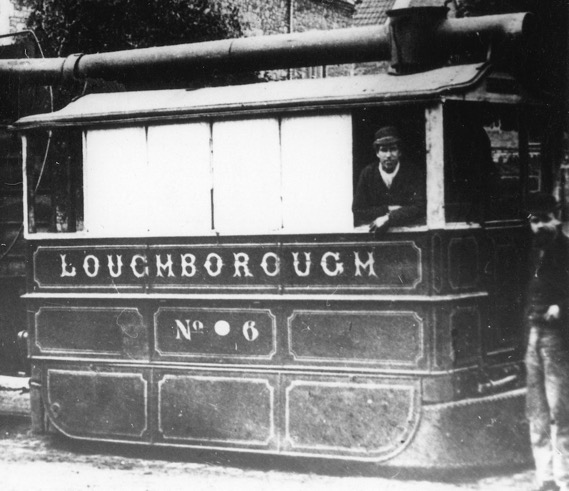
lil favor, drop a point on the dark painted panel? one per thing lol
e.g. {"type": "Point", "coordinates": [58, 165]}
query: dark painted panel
{"type": "Point", "coordinates": [237, 266]}
{"type": "Point", "coordinates": [347, 417]}
{"type": "Point", "coordinates": [465, 327]}
{"type": "Point", "coordinates": [213, 409]}
{"type": "Point", "coordinates": [221, 332]}
{"type": "Point", "coordinates": [12, 321]}
{"type": "Point", "coordinates": [97, 404]}
{"type": "Point", "coordinates": [509, 254]}
{"type": "Point", "coordinates": [90, 331]}
{"type": "Point", "coordinates": [443, 354]}
{"type": "Point", "coordinates": [397, 266]}
{"type": "Point", "coordinates": [365, 336]}
{"type": "Point", "coordinates": [464, 262]}
{"type": "Point", "coordinates": [89, 267]}
{"type": "Point", "coordinates": [437, 263]}
{"type": "Point", "coordinates": [275, 332]}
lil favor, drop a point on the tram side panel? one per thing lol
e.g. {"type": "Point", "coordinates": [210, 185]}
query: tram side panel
{"type": "Point", "coordinates": [12, 261]}
{"type": "Point", "coordinates": [197, 347]}
{"type": "Point", "coordinates": [345, 374]}
{"type": "Point", "coordinates": [488, 264]}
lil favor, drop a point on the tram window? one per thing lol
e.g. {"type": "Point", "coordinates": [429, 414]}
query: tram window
{"type": "Point", "coordinates": [281, 174]}
{"type": "Point", "coordinates": [317, 173]}
{"type": "Point", "coordinates": [251, 176]}
{"type": "Point", "coordinates": [290, 175]}
{"type": "Point", "coordinates": [148, 180]}
{"type": "Point", "coordinates": [54, 173]}
{"type": "Point", "coordinates": [471, 175]}
{"type": "Point", "coordinates": [483, 163]}
{"type": "Point", "coordinates": [114, 180]}
{"type": "Point", "coordinates": [179, 153]}
{"type": "Point", "coordinates": [409, 122]}
{"type": "Point", "coordinates": [246, 175]}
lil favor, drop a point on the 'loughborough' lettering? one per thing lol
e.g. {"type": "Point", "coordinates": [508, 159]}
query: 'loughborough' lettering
{"type": "Point", "coordinates": [209, 264]}
{"type": "Point", "coordinates": [65, 271]}
{"type": "Point", "coordinates": [241, 263]}
{"type": "Point", "coordinates": [164, 266]}
{"type": "Point", "coordinates": [112, 272]}
{"type": "Point", "coordinates": [339, 269]}
{"type": "Point", "coordinates": [368, 264]}
{"type": "Point", "coordinates": [277, 264]}
{"type": "Point", "coordinates": [188, 265]}
{"type": "Point", "coordinates": [134, 266]}
{"type": "Point", "coordinates": [307, 264]}
{"type": "Point", "coordinates": [91, 266]}
{"type": "Point", "coordinates": [227, 266]}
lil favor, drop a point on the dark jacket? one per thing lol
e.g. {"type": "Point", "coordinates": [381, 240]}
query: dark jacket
{"type": "Point", "coordinates": [549, 283]}
{"type": "Point", "coordinates": [372, 197]}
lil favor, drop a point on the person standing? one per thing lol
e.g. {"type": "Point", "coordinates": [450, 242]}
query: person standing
{"type": "Point", "coordinates": [547, 354]}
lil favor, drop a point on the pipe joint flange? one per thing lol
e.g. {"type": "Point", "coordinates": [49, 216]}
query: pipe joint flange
{"type": "Point", "coordinates": [69, 67]}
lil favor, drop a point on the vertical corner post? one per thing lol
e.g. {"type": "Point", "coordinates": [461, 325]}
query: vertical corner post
{"type": "Point", "coordinates": [434, 139]}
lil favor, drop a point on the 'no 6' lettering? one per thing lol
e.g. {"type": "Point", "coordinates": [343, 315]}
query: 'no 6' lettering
{"type": "Point", "coordinates": [187, 328]}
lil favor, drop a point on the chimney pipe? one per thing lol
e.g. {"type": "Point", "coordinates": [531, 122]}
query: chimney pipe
{"type": "Point", "coordinates": [414, 39]}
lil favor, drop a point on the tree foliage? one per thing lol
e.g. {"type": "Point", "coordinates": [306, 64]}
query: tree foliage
{"type": "Point", "coordinates": [89, 26]}
{"type": "Point", "coordinates": [65, 27]}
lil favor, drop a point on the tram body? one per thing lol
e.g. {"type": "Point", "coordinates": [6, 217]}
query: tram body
{"type": "Point", "coordinates": [196, 280]}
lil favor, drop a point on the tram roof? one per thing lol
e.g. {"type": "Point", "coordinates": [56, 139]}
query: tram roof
{"type": "Point", "coordinates": [167, 105]}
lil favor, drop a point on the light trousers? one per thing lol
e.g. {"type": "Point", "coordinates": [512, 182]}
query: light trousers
{"type": "Point", "coordinates": [547, 365]}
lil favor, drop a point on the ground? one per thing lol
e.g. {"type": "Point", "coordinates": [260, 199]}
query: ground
{"type": "Point", "coordinates": [51, 462]}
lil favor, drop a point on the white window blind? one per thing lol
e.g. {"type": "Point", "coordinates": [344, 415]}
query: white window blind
{"type": "Point", "coordinates": [246, 169]}
{"type": "Point", "coordinates": [317, 173]}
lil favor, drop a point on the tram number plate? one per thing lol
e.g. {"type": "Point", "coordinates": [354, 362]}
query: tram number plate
{"type": "Point", "coordinates": [191, 332]}
{"type": "Point", "coordinates": [185, 328]}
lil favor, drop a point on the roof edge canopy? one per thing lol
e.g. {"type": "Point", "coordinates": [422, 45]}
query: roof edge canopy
{"type": "Point", "coordinates": [131, 107]}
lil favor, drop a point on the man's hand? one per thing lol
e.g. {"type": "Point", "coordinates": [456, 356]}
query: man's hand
{"type": "Point", "coordinates": [379, 223]}
{"type": "Point", "coordinates": [553, 313]}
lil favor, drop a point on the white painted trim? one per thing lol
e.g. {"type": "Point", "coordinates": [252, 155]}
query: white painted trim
{"type": "Point", "coordinates": [25, 186]}
{"type": "Point", "coordinates": [255, 297]}
{"type": "Point", "coordinates": [434, 137]}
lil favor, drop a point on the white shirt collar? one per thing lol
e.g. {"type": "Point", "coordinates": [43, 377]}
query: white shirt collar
{"type": "Point", "coordinates": [388, 178]}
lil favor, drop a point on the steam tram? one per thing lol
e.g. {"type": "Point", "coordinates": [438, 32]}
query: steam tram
{"type": "Point", "coordinates": [196, 279]}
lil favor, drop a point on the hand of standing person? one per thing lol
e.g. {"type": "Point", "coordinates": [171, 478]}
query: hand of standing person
{"type": "Point", "coordinates": [553, 313]}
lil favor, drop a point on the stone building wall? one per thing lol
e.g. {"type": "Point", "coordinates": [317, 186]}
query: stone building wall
{"type": "Point", "coordinates": [274, 16]}
{"type": "Point", "coordinates": [322, 15]}
{"type": "Point", "coordinates": [266, 17]}
{"type": "Point", "coordinates": [12, 18]}
{"type": "Point", "coordinates": [18, 16]}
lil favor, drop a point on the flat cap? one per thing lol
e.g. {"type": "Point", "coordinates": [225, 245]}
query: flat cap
{"type": "Point", "coordinates": [386, 135]}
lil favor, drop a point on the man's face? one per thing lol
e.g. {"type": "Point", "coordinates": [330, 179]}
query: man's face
{"type": "Point", "coordinates": [544, 228]}
{"type": "Point", "coordinates": [388, 156]}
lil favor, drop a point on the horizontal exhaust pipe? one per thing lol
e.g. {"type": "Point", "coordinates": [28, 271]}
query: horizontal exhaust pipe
{"type": "Point", "coordinates": [413, 39]}
{"type": "Point", "coordinates": [312, 48]}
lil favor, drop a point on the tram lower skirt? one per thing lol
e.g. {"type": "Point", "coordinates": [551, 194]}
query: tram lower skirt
{"type": "Point", "coordinates": [485, 432]}
{"type": "Point", "coordinates": [489, 431]}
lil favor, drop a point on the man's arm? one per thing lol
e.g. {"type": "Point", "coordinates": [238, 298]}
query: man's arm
{"type": "Point", "coordinates": [363, 207]}
{"type": "Point", "coordinates": [413, 204]}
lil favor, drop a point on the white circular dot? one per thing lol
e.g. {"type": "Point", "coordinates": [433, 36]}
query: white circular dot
{"type": "Point", "coordinates": [222, 328]}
